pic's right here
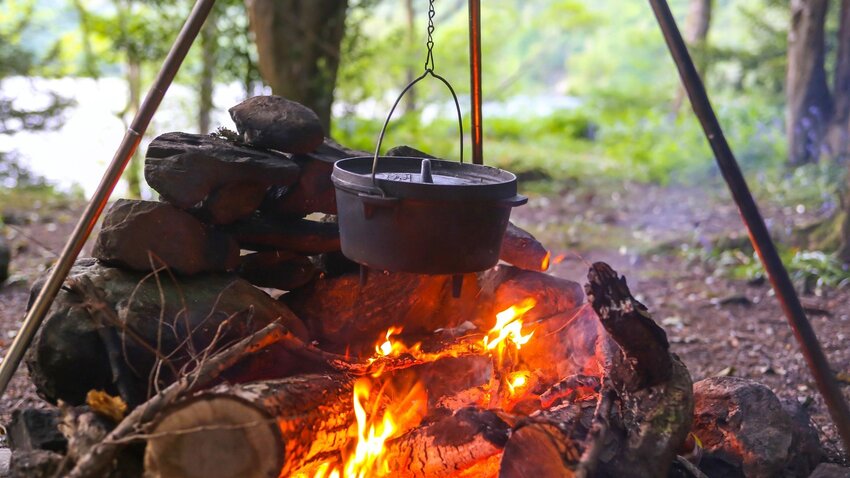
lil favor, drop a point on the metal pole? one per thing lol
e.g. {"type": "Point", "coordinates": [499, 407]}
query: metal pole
{"type": "Point", "coordinates": [756, 227]}
{"type": "Point", "coordinates": [98, 201]}
{"type": "Point", "coordinates": [475, 80]}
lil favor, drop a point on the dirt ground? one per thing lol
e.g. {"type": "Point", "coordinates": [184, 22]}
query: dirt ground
{"type": "Point", "coordinates": [717, 325]}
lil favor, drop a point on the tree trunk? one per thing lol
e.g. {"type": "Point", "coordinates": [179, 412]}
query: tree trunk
{"type": "Point", "coordinates": [209, 48]}
{"type": "Point", "coordinates": [298, 42]}
{"type": "Point", "coordinates": [839, 134]}
{"type": "Point", "coordinates": [839, 129]}
{"type": "Point", "coordinates": [809, 103]}
{"type": "Point", "coordinates": [696, 34]}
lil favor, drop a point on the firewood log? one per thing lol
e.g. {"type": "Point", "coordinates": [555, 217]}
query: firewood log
{"type": "Point", "coordinates": [260, 429]}
{"type": "Point", "coordinates": [265, 233]}
{"type": "Point", "coordinates": [641, 416]}
{"type": "Point", "coordinates": [449, 445]}
{"type": "Point", "coordinates": [521, 249]}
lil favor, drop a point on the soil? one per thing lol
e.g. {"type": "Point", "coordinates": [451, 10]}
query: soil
{"type": "Point", "coordinates": [718, 325]}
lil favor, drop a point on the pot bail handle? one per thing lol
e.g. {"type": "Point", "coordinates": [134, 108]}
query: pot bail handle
{"type": "Point", "coordinates": [428, 71]}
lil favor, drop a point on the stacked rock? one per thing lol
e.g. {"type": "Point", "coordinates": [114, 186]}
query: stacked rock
{"type": "Point", "coordinates": [224, 195]}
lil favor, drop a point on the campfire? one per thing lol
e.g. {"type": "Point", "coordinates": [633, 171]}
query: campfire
{"type": "Point", "coordinates": [329, 371]}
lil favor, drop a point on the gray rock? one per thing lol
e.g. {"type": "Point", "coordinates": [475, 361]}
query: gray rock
{"type": "Point", "coordinates": [277, 123]}
{"type": "Point", "coordinates": [806, 450]}
{"type": "Point", "coordinates": [143, 235]}
{"type": "Point", "coordinates": [186, 169]}
{"type": "Point", "coordinates": [68, 357]}
{"type": "Point", "coordinates": [830, 470]}
{"type": "Point", "coordinates": [409, 152]}
{"type": "Point", "coordinates": [35, 429]}
{"type": "Point", "coordinates": [743, 428]}
{"type": "Point", "coordinates": [5, 258]}
{"type": "Point", "coordinates": [34, 464]}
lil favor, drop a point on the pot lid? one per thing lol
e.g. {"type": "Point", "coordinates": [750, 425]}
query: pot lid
{"type": "Point", "coordinates": [404, 177]}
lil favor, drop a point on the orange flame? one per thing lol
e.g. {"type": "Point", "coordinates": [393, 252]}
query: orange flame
{"type": "Point", "coordinates": [369, 457]}
{"type": "Point", "coordinates": [508, 328]}
{"type": "Point", "coordinates": [393, 348]}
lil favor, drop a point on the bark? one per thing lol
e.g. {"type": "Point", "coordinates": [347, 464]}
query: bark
{"type": "Point", "coordinates": [298, 43]}
{"type": "Point", "coordinates": [696, 35]}
{"type": "Point", "coordinates": [839, 134]}
{"type": "Point", "coordinates": [809, 103]}
{"type": "Point", "coordinates": [96, 461]}
{"type": "Point", "coordinates": [209, 49]}
{"type": "Point", "coordinates": [270, 428]}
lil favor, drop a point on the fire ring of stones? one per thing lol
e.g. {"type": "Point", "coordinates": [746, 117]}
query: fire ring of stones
{"type": "Point", "coordinates": [220, 332]}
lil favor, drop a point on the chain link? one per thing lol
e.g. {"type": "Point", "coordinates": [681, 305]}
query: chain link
{"type": "Point", "coordinates": [429, 59]}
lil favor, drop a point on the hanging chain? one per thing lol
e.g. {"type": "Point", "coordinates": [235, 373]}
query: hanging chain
{"type": "Point", "coordinates": [429, 59]}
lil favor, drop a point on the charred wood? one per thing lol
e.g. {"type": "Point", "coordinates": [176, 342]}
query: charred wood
{"type": "Point", "coordinates": [264, 233]}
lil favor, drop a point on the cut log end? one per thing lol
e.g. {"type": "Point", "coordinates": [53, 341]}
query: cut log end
{"type": "Point", "coordinates": [215, 436]}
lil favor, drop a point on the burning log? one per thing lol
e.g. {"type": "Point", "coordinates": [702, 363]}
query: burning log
{"type": "Point", "coordinates": [100, 457]}
{"type": "Point", "coordinates": [269, 428]}
{"type": "Point", "coordinates": [521, 249]}
{"type": "Point", "coordinates": [641, 417]}
{"type": "Point", "coordinates": [340, 312]}
{"type": "Point", "coordinates": [449, 445]}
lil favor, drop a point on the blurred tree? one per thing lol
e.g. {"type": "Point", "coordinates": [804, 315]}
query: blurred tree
{"type": "Point", "coordinates": [696, 35]}
{"type": "Point", "coordinates": [16, 60]}
{"type": "Point", "coordinates": [299, 45]}
{"type": "Point", "coordinates": [809, 103]}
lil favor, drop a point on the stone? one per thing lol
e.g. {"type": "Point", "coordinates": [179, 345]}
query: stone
{"type": "Point", "coordinates": [232, 202]}
{"type": "Point", "coordinates": [5, 258]}
{"type": "Point", "coordinates": [143, 235]}
{"type": "Point", "coordinates": [185, 169]}
{"type": "Point", "coordinates": [830, 470]}
{"type": "Point", "coordinates": [806, 450]}
{"type": "Point", "coordinates": [277, 123]}
{"type": "Point", "coordinates": [68, 357]}
{"type": "Point", "coordinates": [35, 429]}
{"type": "Point", "coordinates": [266, 233]}
{"type": "Point", "coordinates": [743, 428]}
{"type": "Point", "coordinates": [35, 464]}
{"type": "Point", "coordinates": [314, 191]}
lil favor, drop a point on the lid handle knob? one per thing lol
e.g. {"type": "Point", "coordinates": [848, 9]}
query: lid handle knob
{"type": "Point", "coordinates": [425, 172]}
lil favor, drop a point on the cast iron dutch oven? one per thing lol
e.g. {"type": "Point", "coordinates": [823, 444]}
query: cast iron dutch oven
{"type": "Point", "coordinates": [425, 216]}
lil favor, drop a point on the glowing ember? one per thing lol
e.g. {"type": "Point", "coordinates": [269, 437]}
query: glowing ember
{"type": "Point", "coordinates": [545, 264]}
{"type": "Point", "coordinates": [559, 258]}
{"type": "Point", "coordinates": [517, 382]}
{"type": "Point", "coordinates": [509, 327]}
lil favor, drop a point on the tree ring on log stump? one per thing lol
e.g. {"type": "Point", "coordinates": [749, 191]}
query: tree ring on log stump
{"type": "Point", "coordinates": [192, 440]}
